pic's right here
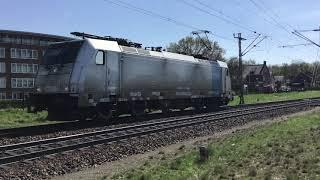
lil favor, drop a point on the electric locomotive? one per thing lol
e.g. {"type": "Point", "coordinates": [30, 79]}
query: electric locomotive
{"type": "Point", "coordinates": [100, 77]}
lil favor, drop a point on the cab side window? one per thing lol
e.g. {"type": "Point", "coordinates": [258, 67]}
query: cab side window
{"type": "Point", "coordinates": [100, 58]}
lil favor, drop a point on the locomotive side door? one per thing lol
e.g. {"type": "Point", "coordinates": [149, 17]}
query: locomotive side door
{"type": "Point", "coordinates": [113, 78]}
{"type": "Point", "coordinates": [223, 79]}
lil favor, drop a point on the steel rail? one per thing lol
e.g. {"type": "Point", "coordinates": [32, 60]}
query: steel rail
{"type": "Point", "coordinates": [63, 138]}
{"type": "Point", "coordinates": [28, 150]}
{"type": "Point", "coordinates": [75, 125]}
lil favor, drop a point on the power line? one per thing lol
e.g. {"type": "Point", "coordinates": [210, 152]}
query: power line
{"type": "Point", "coordinates": [272, 18]}
{"type": "Point", "coordinates": [273, 13]}
{"type": "Point", "coordinates": [261, 16]}
{"type": "Point", "coordinates": [214, 15]}
{"type": "Point", "coordinates": [250, 10]}
{"type": "Point", "coordinates": [294, 45]}
{"type": "Point", "coordinates": [245, 52]}
{"type": "Point", "coordinates": [159, 16]}
{"type": "Point", "coordinates": [278, 25]}
{"type": "Point", "coordinates": [251, 42]}
{"type": "Point", "coordinates": [233, 21]}
{"type": "Point", "coordinates": [297, 33]}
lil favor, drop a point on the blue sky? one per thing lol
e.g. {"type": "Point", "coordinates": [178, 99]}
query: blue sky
{"type": "Point", "coordinates": [101, 17]}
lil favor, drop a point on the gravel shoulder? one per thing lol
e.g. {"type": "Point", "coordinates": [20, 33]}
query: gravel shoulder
{"type": "Point", "coordinates": [168, 152]}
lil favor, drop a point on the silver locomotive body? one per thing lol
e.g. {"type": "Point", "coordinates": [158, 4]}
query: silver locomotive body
{"type": "Point", "coordinates": [91, 76]}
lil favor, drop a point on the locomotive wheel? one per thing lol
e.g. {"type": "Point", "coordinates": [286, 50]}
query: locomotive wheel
{"type": "Point", "coordinates": [56, 115]}
{"type": "Point", "coordinates": [165, 107]}
{"type": "Point", "coordinates": [102, 113]}
{"type": "Point", "coordinates": [137, 111]}
{"type": "Point", "coordinates": [105, 116]}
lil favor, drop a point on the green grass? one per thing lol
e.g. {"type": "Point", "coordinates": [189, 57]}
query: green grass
{"type": "Point", "coordinates": [283, 150]}
{"type": "Point", "coordinates": [259, 98]}
{"type": "Point", "coordinates": [10, 118]}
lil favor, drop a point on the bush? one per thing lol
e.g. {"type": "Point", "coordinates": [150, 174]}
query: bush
{"type": "Point", "coordinates": [4, 104]}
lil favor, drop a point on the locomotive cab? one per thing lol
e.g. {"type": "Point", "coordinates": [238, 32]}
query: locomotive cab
{"type": "Point", "coordinates": [53, 88]}
{"type": "Point", "coordinates": [74, 76]}
{"type": "Point", "coordinates": [55, 71]}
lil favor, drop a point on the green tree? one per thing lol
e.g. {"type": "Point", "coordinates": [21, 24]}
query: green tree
{"type": "Point", "coordinates": [198, 46]}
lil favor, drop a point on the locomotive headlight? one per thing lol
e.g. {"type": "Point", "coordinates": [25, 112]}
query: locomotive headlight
{"type": "Point", "coordinates": [39, 89]}
{"type": "Point", "coordinates": [66, 88]}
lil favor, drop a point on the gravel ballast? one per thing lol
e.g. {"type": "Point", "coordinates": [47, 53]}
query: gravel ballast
{"type": "Point", "coordinates": [59, 164]}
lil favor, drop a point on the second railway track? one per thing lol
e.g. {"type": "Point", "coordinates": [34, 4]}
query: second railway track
{"type": "Point", "coordinates": [28, 150]}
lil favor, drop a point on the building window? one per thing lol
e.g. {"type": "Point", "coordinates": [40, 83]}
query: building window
{"type": "Point", "coordinates": [29, 54]}
{"type": "Point", "coordinates": [13, 82]}
{"type": "Point", "coordinates": [13, 67]}
{"type": "Point", "coordinates": [17, 95]}
{"type": "Point", "coordinates": [2, 95]}
{"type": "Point", "coordinates": [22, 82]}
{"type": "Point", "coordinates": [24, 68]}
{"type": "Point", "coordinates": [30, 68]}
{"type": "Point", "coordinates": [19, 83]}
{"type": "Point", "coordinates": [2, 52]}
{"type": "Point", "coordinates": [34, 41]}
{"type": "Point", "coordinates": [34, 54]}
{"type": "Point", "coordinates": [43, 43]}
{"type": "Point", "coordinates": [18, 40]}
{"type": "Point", "coordinates": [3, 82]}
{"type": "Point", "coordinates": [2, 67]}
{"type": "Point", "coordinates": [30, 82]}
{"type": "Point", "coordinates": [24, 53]}
{"type": "Point", "coordinates": [35, 68]}
{"type": "Point", "coordinates": [19, 69]}
{"type": "Point", "coordinates": [26, 41]}
{"type": "Point", "coordinates": [15, 53]}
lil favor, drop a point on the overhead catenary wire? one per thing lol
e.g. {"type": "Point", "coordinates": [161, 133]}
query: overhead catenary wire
{"type": "Point", "coordinates": [248, 50]}
{"type": "Point", "coordinates": [251, 42]}
{"type": "Point", "coordinates": [305, 38]}
{"type": "Point", "coordinates": [272, 12]}
{"type": "Point", "coordinates": [272, 15]}
{"type": "Point", "coordinates": [159, 16]}
{"type": "Point", "coordinates": [272, 18]}
{"type": "Point", "coordinates": [226, 19]}
{"type": "Point", "coordinates": [246, 9]}
{"type": "Point", "coordinates": [294, 45]}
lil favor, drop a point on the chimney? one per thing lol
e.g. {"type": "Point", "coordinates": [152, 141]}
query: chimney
{"type": "Point", "coordinates": [265, 63]}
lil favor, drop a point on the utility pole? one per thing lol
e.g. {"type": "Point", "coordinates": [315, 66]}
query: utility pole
{"type": "Point", "coordinates": [241, 54]}
{"type": "Point", "coordinates": [240, 67]}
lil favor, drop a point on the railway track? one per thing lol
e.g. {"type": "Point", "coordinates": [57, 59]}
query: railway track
{"type": "Point", "coordinates": [77, 125]}
{"type": "Point", "coordinates": [29, 150]}
{"type": "Point", "coordinates": [47, 128]}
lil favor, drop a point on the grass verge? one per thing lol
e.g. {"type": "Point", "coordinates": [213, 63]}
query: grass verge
{"type": "Point", "coordinates": [283, 150]}
{"type": "Point", "coordinates": [10, 118]}
{"type": "Point", "coordinates": [259, 98]}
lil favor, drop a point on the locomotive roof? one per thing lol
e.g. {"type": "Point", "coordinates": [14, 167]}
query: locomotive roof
{"type": "Point", "coordinates": [114, 46]}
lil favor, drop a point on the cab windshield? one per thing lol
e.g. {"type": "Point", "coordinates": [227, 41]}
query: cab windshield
{"type": "Point", "coordinates": [62, 53]}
